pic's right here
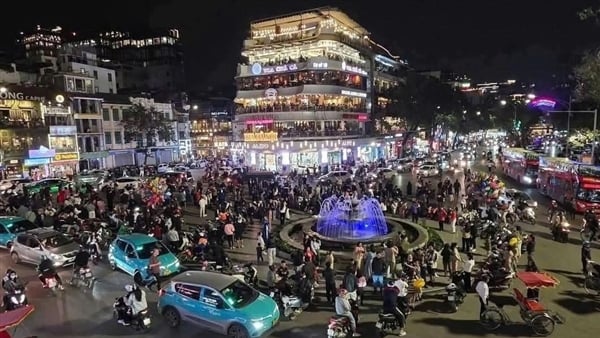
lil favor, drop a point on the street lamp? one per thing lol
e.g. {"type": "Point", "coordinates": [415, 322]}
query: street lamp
{"type": "Point", "coordinates": [478, 113]}
{"type": "Point", "coordinates": [195, 107]}
{"type": "Point", "coordinates": [531, 96]}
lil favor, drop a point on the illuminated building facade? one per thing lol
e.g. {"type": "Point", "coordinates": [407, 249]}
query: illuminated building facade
{"type": "Point", "coordinates": [306, 94]}
{"type": "Point", "coordinates": [210, 126]}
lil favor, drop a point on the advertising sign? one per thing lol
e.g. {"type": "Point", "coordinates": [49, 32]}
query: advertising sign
{"type": "Point", "coordinates": [66, 157]}
{"type": "Point", "coordinates": [261, 137]}
{"type": "Point", "coordinates": [63, 130]}
{"type": "Point", "coordinates": [42, 152]}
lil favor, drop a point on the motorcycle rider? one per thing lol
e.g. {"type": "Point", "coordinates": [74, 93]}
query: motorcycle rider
{"type": "Point", "coordinates": [10, 283]}
{"type": "Point", "coordinates": [82, 260]}
{"type": "Point", "coordinates": [130, 305]}
{"type": "Point", "coordinates": [590, 221]}
{"type": "Point", "coordinates": [390, 304]}
{"type": "Point", "coordinates": [343, 308]}
{"type": "Point", "coordinates": [46, 270]}
{"type": "Point", "coordinates": [557, 223]}
{"type": "Point", "coordinates": [251, 274]}
{"type": "Point", "coordinates": [552, 210]}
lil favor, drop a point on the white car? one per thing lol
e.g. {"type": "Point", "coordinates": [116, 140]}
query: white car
{"type": "Point", "coordinates": [162, 168]}
{"type": "Point", "coordinates": [335, 177]}
{"type": "Point", "coordinates": [12, 183]}
{"type": "Point", "coordinates": [428, 170]}
{"type": "Point", "coordinates": [122, 182]}
{"type": "Point", "coordinates": [387, 173]}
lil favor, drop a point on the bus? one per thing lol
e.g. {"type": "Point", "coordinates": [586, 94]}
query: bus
{"type": "Point", "coordinates": [521, 165]}
{"type": "Point", "coordinates": [566, 181]}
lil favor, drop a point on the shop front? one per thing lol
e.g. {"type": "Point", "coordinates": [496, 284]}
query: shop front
{"type": "Point", "coordinates": [37, 166]}
{"type": "Point", "coordinates": [12, 168]}
{"type": "Point", "coordinates": [64, 164]}
{"type": "Point", "coordinates": [119, 158]}
{"type": "Point", "coordinates": [93, 160]}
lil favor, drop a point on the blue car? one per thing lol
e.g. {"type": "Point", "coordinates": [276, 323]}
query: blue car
{"type": "Point", "coordinates": [221, 303]}
{"type": "Point", "coordinates": [131, 253]}
{"type": "Point", "coordinates": [10, 226]}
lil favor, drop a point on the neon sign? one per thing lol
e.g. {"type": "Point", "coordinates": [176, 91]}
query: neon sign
{"type": "Point", "coordinates": [353, 69]}
{"type": "Point", "coordinates": [278, 69]}
{"type": "Point", "coordinates": [543, 103]}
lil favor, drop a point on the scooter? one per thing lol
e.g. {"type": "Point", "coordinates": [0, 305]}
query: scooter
{"type": "Point", "coordinates": [290, 306]}
{"type": "Point", "coordinates": [16, 299]}
{"type": "Point", "coordinates": [454, 296]}
{"type": "Point", "coordinates": [527, 215]}
{"type": "Point", "coordinates": [560, 232]}
{"type": "Point", "coordinates": [387, 323]}
{"type": "Point", "coordinates": [339, 326]}
{"type": "Point", "coordinates": [83, 277]}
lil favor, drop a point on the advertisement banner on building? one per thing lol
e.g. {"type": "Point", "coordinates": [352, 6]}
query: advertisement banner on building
{"type": "Point", "coordinates": [66, 157]}
{"type": "Point", "coordinates": [42, 152]}
{"type": "Point", "coordinates": [261, 137]}
{"type": "Point", "coordinates": [63, 130]}
{"type": "Point", "coordinates": [36, 162]}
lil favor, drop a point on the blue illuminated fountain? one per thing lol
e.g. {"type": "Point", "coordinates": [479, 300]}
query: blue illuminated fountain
{"type": "Point", "coordinates": [348, 219]}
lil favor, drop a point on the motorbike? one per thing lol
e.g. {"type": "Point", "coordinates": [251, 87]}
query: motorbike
{"type": "Point", "coordinates": [83, 276]}
{"type": "Point", "coordinates": [139, 322]}
{"type": "Point", "coordinates": [454, 296]}
{"type": "Point", "coordinates": [560, 232]}
{"type": "Point", "coordinates": [339, 326]}
{"type": "Point", "coordinates": [387, 323]}
{"type": "Point", "coordinates": [592, 278]}
{"type": "Point", "coordinates": [52, 284]}
{"type": "Point", "coordinates": [526, 214]}
{"type": "Point", "coordinates": [16, 299]}
{"type": "Point", "coordinates": [499, 279]}
{"type": "Point", "coordinates": [289, 306]}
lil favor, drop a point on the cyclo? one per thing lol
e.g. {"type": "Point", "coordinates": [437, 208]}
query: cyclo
{"type": "Point", "coordinates": [533, 312]}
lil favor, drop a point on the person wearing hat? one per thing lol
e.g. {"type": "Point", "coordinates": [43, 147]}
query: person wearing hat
{"type": "Point", "coordinates": [391, 299]}
{"type": "Point", "coordinates": [343, 308]}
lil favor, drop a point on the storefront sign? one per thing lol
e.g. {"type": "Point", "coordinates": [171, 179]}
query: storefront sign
{"type": "Point", "coordinates": [218, 113]}
{"type": "Point", "coordinates": [277, 69]}
{"type": "Point", "coordinates": [320, 65]}
{"type": "Point", "coordinates": [261, 137]}
{"type": "Point", "coordinates": [353, 93]}
{"type": "Point", "coordinates": [42, 152]}
{"type": "Point", "coordinates": [259, 121]}
{"type": "Point", "coordinates": [8, 95]}
{"type": "Point", "coordinates": [36, 161]}
{"type": "Point", "coordinates": [57, 111]}
{"type": "Point", "coordinates": [353, 69]}
{"type": "Point", "coordinates": [94, 155]}
{"type": "Point", "coordinates": [258, 146]}
{"type": "Point", "coordinates": [271, 93]}
{"type": "Point", "coordinates": [63, 130]}
{"type": "Point", "coordinates": [66, 157]}
{"type": "Point", "coordinates": [360, 117]}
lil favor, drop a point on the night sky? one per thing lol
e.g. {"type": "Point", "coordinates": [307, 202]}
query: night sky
{"type": "Point", "coordinates": [531, 40]}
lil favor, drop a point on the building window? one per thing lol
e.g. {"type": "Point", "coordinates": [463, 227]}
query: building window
{"type": "Point", "coordinates": [96, 74]}
{"type": "Point", "coordinates": [109, 77]}
{"type": "Point", "coordinates": [110, 91]}
{"type": "Point", "coordinates": [118, 138]}
{"type": "Point", "coordinates": [115, 115]}
{"type": "Point", "coordinates": [105, 114]}
{"type": "Point", "coordinates": [107, 138]}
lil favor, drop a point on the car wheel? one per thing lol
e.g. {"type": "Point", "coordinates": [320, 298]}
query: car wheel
{"type": "Point", "coordinates": [113, 265]}
{"type": "Point", "coordinates": [15, 258]}
{"type": "Point", "coordinates": [237, 331]}
{"type": "Point", "coordinates": [172, 317]}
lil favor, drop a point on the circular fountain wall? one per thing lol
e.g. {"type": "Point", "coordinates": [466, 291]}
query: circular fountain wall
{"type": "Point", "coordinates": [344, 218]}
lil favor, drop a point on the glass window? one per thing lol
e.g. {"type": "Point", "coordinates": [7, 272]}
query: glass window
{"type": "Point", "coordinates": [105, 114]}
{"type": "Point", "coordinates": [189, 291]}
{"type": "Point", "coordinates": [211, 298]}
{"type": "Point", "coordinates": [121, 245]}
{"type": "Point", "coordinates": [118, 138]}
{"type": "Point", "coordinates": [107, 138]}
{"type": "Point", "coordinates": [109, 77]}
{"type": "Point", "coordinates": [115, 115]}
{"type": "Point", "coordinates": [145, 250]}
{"type": "Point", "coordinates": [238, 294]}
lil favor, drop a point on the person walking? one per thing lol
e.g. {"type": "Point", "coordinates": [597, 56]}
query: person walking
{"type": "Point", "coordinates": [260, 247]}
{"type": "Point", "coordinates": [483, 291]}
{"type": "Point", "coordinates": [271, 251]}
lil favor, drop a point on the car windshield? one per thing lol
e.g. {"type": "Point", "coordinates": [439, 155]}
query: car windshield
{"type": "Point", "coordinates": [21, 226]}
{"type": "Point", "coordinates": [239, 294]}
{"type": "Point", "coordinates": [144, 251]}
{"type": "Point", "coordinates": [56, 241]}
{"type": "Point", "coordinates": [589, 195]}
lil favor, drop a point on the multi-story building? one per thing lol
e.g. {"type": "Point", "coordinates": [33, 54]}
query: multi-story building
{"type": "Point", "coordinates": [305, 96]}
{"type": "Point", "coordinates": [86, 64]}
{"type": "Point", "coordinates": [210, 126]}
{"type": "Point", "coordinates": [120, 152]}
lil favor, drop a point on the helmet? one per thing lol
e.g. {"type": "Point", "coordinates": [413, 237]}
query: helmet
{"type": "Point", "coordinates": [12, 275]}
{"type": "Point", "coordinates": [44, 257]}
{"type": "Point", "coordinates": [129, 288]}
{"type": "Point", "coordinates": [9, 271]}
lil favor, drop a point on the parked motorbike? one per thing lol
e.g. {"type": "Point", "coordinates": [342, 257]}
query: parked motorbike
{"type": "Point", "coordinates": [339, 326]}
{"type": "Point", "coordinates": [454, 296]}
{"type": "Point", "coordinates": [499, 279]}
{"type": "Point", "coordinates": [560, 232]}
{"type": "Point", "coordinates": [387, 323]}
{"type": "Point", "coordinates": [289, 306]}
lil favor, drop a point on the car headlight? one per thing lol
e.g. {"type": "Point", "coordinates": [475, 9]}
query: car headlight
{"type": "Point", "coordinates": [55, 257]}
{"type": "Point", "coordinates": [258, 324]}
{"type": "Point", "coordinates": [527, 180]}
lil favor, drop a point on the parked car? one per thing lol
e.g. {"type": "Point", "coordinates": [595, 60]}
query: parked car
{"type": "Point", "coordinates": [30, 246]}
{"type": "Point", "coordinates": [12, 183]}
{"type": "Point", "coordinates": [122, 182]}
{"type": "Point", "coordinates": [131, 254]}
{"type": "Point", "coordinates": [10, 227]}
{"type": "Point", "coordinates": [518, 195]}
{"type": "Point", "coordinates": [217, 302]}
{"type": "Point", "coordinates": [386, 173]}
{"type": "Point", "coordinates": [54, 184]}
{"type": "Point", "coordinates": [428, 170]}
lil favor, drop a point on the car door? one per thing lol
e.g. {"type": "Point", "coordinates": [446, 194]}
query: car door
{"type": "Point", "coordinates": [215, 311]}
{"type": "Point", "coordinates": [32, 252]}
{"type": "Point", "coordinates": [188, 303]}
{"type": "Point", "coordinates": [129, 259]}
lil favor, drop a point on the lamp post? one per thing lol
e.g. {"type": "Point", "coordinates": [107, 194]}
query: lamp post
{"type": "Point", "coordinates": [570, 112]}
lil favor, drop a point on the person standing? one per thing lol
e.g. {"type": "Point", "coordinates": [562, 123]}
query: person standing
{"type": "Point", "coordinates": [378, 269]}
{"type": "Point", "coordinates": [483, 291]}
{"type": "Point", "coordinates": [154, 267]}
{"type": "Point", "coordinates": [271, 251]}
{"type": "Point", "coordinates": [468, 266]}
{"type": "Point", "coordinates": [260, 247]}
{"type": "Point", "coordinates": [283, 213]}
{"type": "Point", "coordinates": [441, 217]}
{"type": "Point", "coordinates": [329, 277]}
{"type": "Point", "coordinates": [229, 230]}
{"type": "Point", "coordinates": [586, 256]}
{"type": "Point", "coordinates": [202, 203]}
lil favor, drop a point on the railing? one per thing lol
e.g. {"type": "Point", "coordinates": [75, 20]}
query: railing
{"type": "Point", "coordinates": [284, 108]}
{"type": "Point", "coordinates": [293, 133]}
{"type": "Point", "coordinates": [333, 82]}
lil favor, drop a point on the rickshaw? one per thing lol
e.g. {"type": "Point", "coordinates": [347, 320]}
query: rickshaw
{"type": "Point", "coordinates": [11, 319]}
{"type": "Point", "coordinates": [535, 315]}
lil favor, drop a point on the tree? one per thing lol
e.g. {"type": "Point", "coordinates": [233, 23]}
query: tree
{"type": "Point", "coordinates": [146, 125]}
{"type": "Point", "coordinates": [587, 75]}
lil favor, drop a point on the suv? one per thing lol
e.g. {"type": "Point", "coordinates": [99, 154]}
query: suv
{"type": "Point", "coordinates": [10, 226]}
{"type": "Point", "coordinates": [30, 246]}
{"type": "Point", "coordinates": [218, 302]}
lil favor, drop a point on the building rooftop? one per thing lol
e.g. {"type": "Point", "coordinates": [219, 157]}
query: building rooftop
{"type": "Point", "coordinates": [299, 17]}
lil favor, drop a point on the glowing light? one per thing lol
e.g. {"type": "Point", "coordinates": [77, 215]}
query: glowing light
{"type": "Point", "coordinates": [543, 103]}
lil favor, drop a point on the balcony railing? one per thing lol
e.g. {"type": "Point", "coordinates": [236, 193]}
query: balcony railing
{"type": "Point", "coordinates": [21, 124]}
{"type": "Point", "coordinates": [285, 107]}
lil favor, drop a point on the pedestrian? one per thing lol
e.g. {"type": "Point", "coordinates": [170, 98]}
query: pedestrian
{"type": "Point", "coordinates": [202, 203]}
{"type": "Point", "coordinates": [483, 291]}
{"type": "Point", "coordinates": [283, 213]}
{"type": "Point", "coordinates": [441, 217]}
{"type": "Point", "coordinates": [409, 188]}
{"type": "Point", "coordinates": [446, 254]}
{"type": "Point", "coordinates": [260, 247]}
{"type": "Point", "coordinates": [455, 258]}
{"type": "Point", "coordinates": [154, 267]}
{"type": "Point", "coordinates": [229, 230]}
{"type": "Point", "coordinates": [453, 216]}
{"type": "Point", "coordinates": [586, 256]}
{"type": "Point", "coordinates": [271, 251]}
{"type": "Point", "coordinates": [468, 266]}
{"type": "Point", "coordinates": [329, 277]}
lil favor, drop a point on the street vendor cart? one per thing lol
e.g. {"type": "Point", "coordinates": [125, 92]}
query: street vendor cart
{"type": "Point", "coordinates": [10, 320]}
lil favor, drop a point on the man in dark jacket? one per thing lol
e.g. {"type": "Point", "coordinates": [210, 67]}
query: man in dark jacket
{"type": "Point", "coordinates": [378, 269]}
{"type": "Point", "coordinates": [390, 305]}
{"type": "Point", "coordinates": [350, 283]}
{"type": "Point", "coordinates": [329, 276]}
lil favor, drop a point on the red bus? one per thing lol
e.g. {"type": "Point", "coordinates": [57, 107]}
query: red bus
{"type": "Point", "coordinates": [521, 165]}
{"type": "Point", "coordinates": [570, 182]}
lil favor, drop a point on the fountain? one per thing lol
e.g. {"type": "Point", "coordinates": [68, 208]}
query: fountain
{"type": "Point", "coordinates": [344, 218]}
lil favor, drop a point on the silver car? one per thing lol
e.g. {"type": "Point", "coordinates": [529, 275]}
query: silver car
{"type": "Point", "coordinates": [30, 246]}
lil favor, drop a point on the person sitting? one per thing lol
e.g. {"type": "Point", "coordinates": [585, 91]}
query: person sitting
{"type": "Point", "coordinates": [46, 270]}
{"type": "Point", "coordinates": [131, 305]}
{"type": "Point", "coordinates": [10, 283]}
{"type": "Point", "coordinates": [251, 274]}
{"type": "Point", "coordinates": [343, 308]}
{"type": "Point", "coordinates": [390, 304]}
